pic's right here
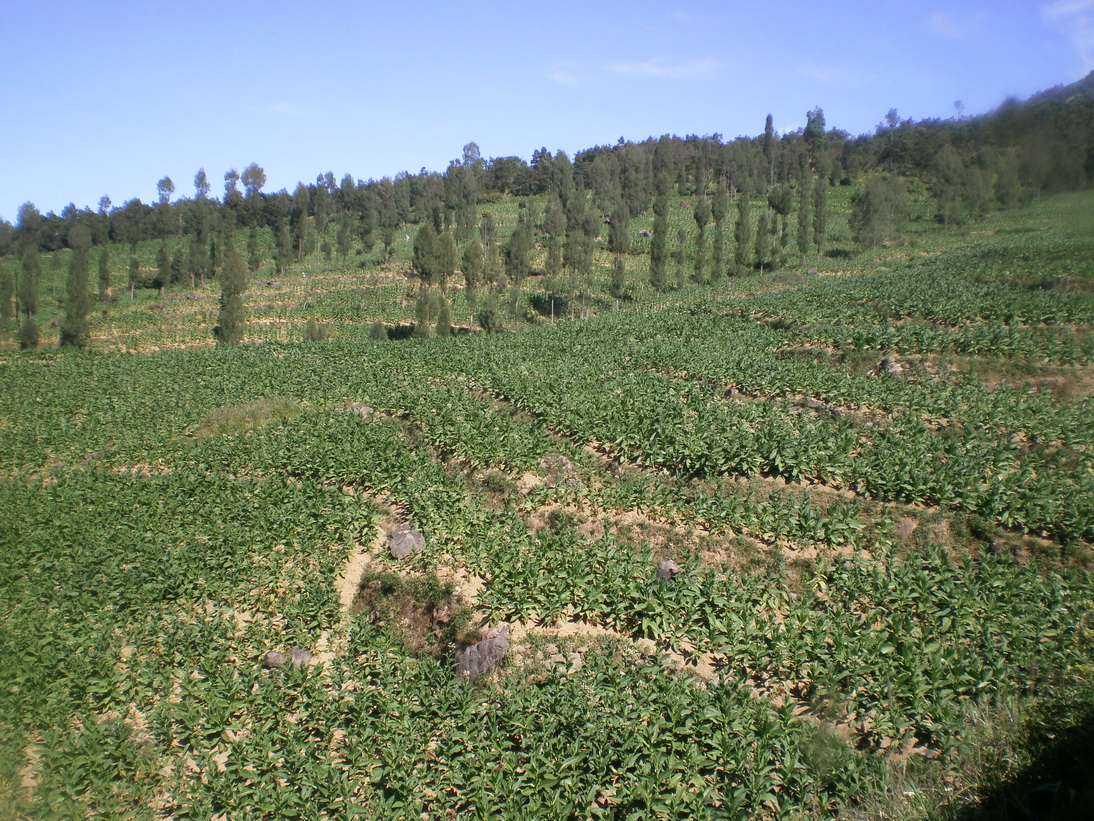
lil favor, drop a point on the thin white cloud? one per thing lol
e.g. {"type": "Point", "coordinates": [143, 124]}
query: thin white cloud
{"type": "Point", "coordinates": [287, 109]}
{"type": "Point", "coordinates": [660, 69]}
{"type": "Point", "coordinates": [947, 26]}
{"type": "Point", "coordinates": [1075, 18]}
{"type": "Point", "coordinates": [829, 75]}
{"type": "Point", "coordinates": [567, 74]}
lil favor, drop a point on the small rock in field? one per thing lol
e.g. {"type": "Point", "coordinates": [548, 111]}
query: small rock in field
{"type": "Point", "coordinates": [472, 660]}
{"type": "Point", "coordinates": [299, 657]}
{"type": "Point", "coordinates": [273, 660]}
{"type": "Point", "coordinates": [892, 367]}
{"type": "Point", "coordinates": [667, 568]}
{"type": "Point", "coordinates": [406, 541]}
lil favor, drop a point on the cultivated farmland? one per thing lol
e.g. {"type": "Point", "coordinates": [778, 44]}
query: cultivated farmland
{"type": "Point", "coordinates": [875, 486]}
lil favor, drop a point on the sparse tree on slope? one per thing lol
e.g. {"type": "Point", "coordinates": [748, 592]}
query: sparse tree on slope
{"type": "Point", "coordinates": [742, 234]}
{"type": "Point", "coordinates": [471, 266]}
{"type": "Point", "coordinates": [104, 272]}
{"type": "Point", "coordinates": [805, 212]}
{"type": "Point", "coordinates": [75, 328]}
{"type": "Point", "coordinates": [878, 210]}
{"type": "Point", "coordinates": [233, 284]}
{"type": "Point", "coordinates": [701, 214]}
{"type": "Point", "coordinates": [719, 207]}
{"type": "Point", "coordinates": [424, 259]}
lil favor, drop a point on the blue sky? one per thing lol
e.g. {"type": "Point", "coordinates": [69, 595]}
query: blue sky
{"type": "Point", "coordinates": [105, 98]}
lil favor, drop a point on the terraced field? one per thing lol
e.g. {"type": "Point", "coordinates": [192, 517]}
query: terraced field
{"type": "Point", "coordinates": [794, 546]}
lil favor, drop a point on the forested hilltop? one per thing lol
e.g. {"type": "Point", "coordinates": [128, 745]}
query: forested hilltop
{"type": "Point", "coordinates": [645, 211]}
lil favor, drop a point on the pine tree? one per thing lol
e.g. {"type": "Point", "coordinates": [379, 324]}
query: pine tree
{"type": "Point", "coordinates": [424, 259]}
{"type": "Point", "coordinates": [104, 272]}
{"type": "Point", "coordinates": [134, 274]}
{"type": "Point", "coordinates": [589, 231]}
{"type": "Point", "coordinates": [949, 184]}
{"type": "Point", "coordinates": [31, 260]}
{"type": "Point", "coordinates": [820, 214]}
{"type": "Point", "coordinates": [283, 251]}
{"type": "Point", "coordinates": [814, 133]}
{"type": "Point", "coordinates": [423, 311]}
{"type": "Point", "coordinates": [28, 295]}
{"type": "Point", "coordinates": [702, 215]}
{"type": "Point", "coordinates": [254, 258]}
{"type": "Point", "coordinates": [489, 317]}
{"type": "Point", "coordinates": [719, 207]}
{"type": "Point", "coordinates": [75, 328]}
{"type": "Point", "coordinates": [679, 256]}
{"type": "Point", "coordinates": [805, 212]}
{"type": "Point", "coordinates": [344, 237]}
{"type": "Point", "coordinates": [763, 240]}
{"type": "Point", "coordinates": [554, 225]}
{"type": "Point", "coordinates": [878, 210]}
{"type": "Point", "coordinates": [491, 270]}
{"type": "Point", "coordinates": [659, 243]}
{"type": "Point", "coordinates": [780, 199]}
{"type": "Point", "coordinates": [444, 319]}
{"type": "Point", "coordinates": [7, 295]}
{"type": "Point", "coordinates": [178, 267]}
{"type": "Point", "coordinates": [446, 255]}
{"type": "Point", "coordinates": [233, 284]}
{"type": "Point", "coordinates": [517, 250]}
{"type": "Point", "coordinates": [769, 149]}
{"type": "Point", "coordinates": [163, 267]}
{"type": "Point", "coordinates": [471, 266]}
{"type": "Point", "coordinates": [619, 234]}
{"type": "Point", "coordinates": [618, 287]}
{"type": "Point", "coordinates": [742, 234]}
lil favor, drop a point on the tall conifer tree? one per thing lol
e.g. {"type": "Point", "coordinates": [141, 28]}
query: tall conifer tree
{"type": "Point", "coordinates": [28, 294]}
{"type": "Point", "coordinates": [104, 272]}
{"type": "Point", "coordinates": [659, 244]}
{"type": "Point", "coordinates": [233, 284]}
{"type": "Point", "coordinates": [75, 328]}
{"type": "Point", "coordinates": [805, 212]}
{"type": "Point", "coordinates": [702, 218]}
{"type": "Point", "coordinates": [719, 207]}
{"type": "Point", "coordinates": [7, 295]}
{"type": "Point", "coordinates": [820, 214]}
{"type": "Point", "coordinates": [742, 234]}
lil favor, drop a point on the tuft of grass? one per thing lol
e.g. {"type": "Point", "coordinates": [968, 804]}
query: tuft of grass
{"type": "Point", "coordinates": [246, 416]}
{"type": "Point", "coordinates": [421, 612]}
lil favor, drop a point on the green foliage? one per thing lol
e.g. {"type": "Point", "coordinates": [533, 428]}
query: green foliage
{"type": "Point", "coordinates": [7, 295]}
{"type": "Point", "coordinates": [28, 333]}
{"type": "Point", "coordinates": [921, 432]}
{"type": "Point", "coordinates": [104, 271]}
{"type": "Point", "coordinates": [231, 320]}
{"type": "Point", "coordinates": [446, 257]}
{"type": "Point", "coordinates": [28, 281]}
{"type": "Point", "coordinates": [425, 253]}
{"type": "Point", "coordinates": [820, 215]}
{"type": "Point", "coordinates": [879, 211]}
{"type": "Point", "coordinates": [444, 319]}
{"type": "Point", "coordinates": [316, 332]}
{"type": "Point", "coordinates": [742, 233]}
{"type": "Point", "coordinates": [421, 613]}
{"type": "Point", "coordinates": [659, 245]}
{"type": "Point", "coordinates": [489, 317]}
{"type": "Point", "coordinates": [75, 328]}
